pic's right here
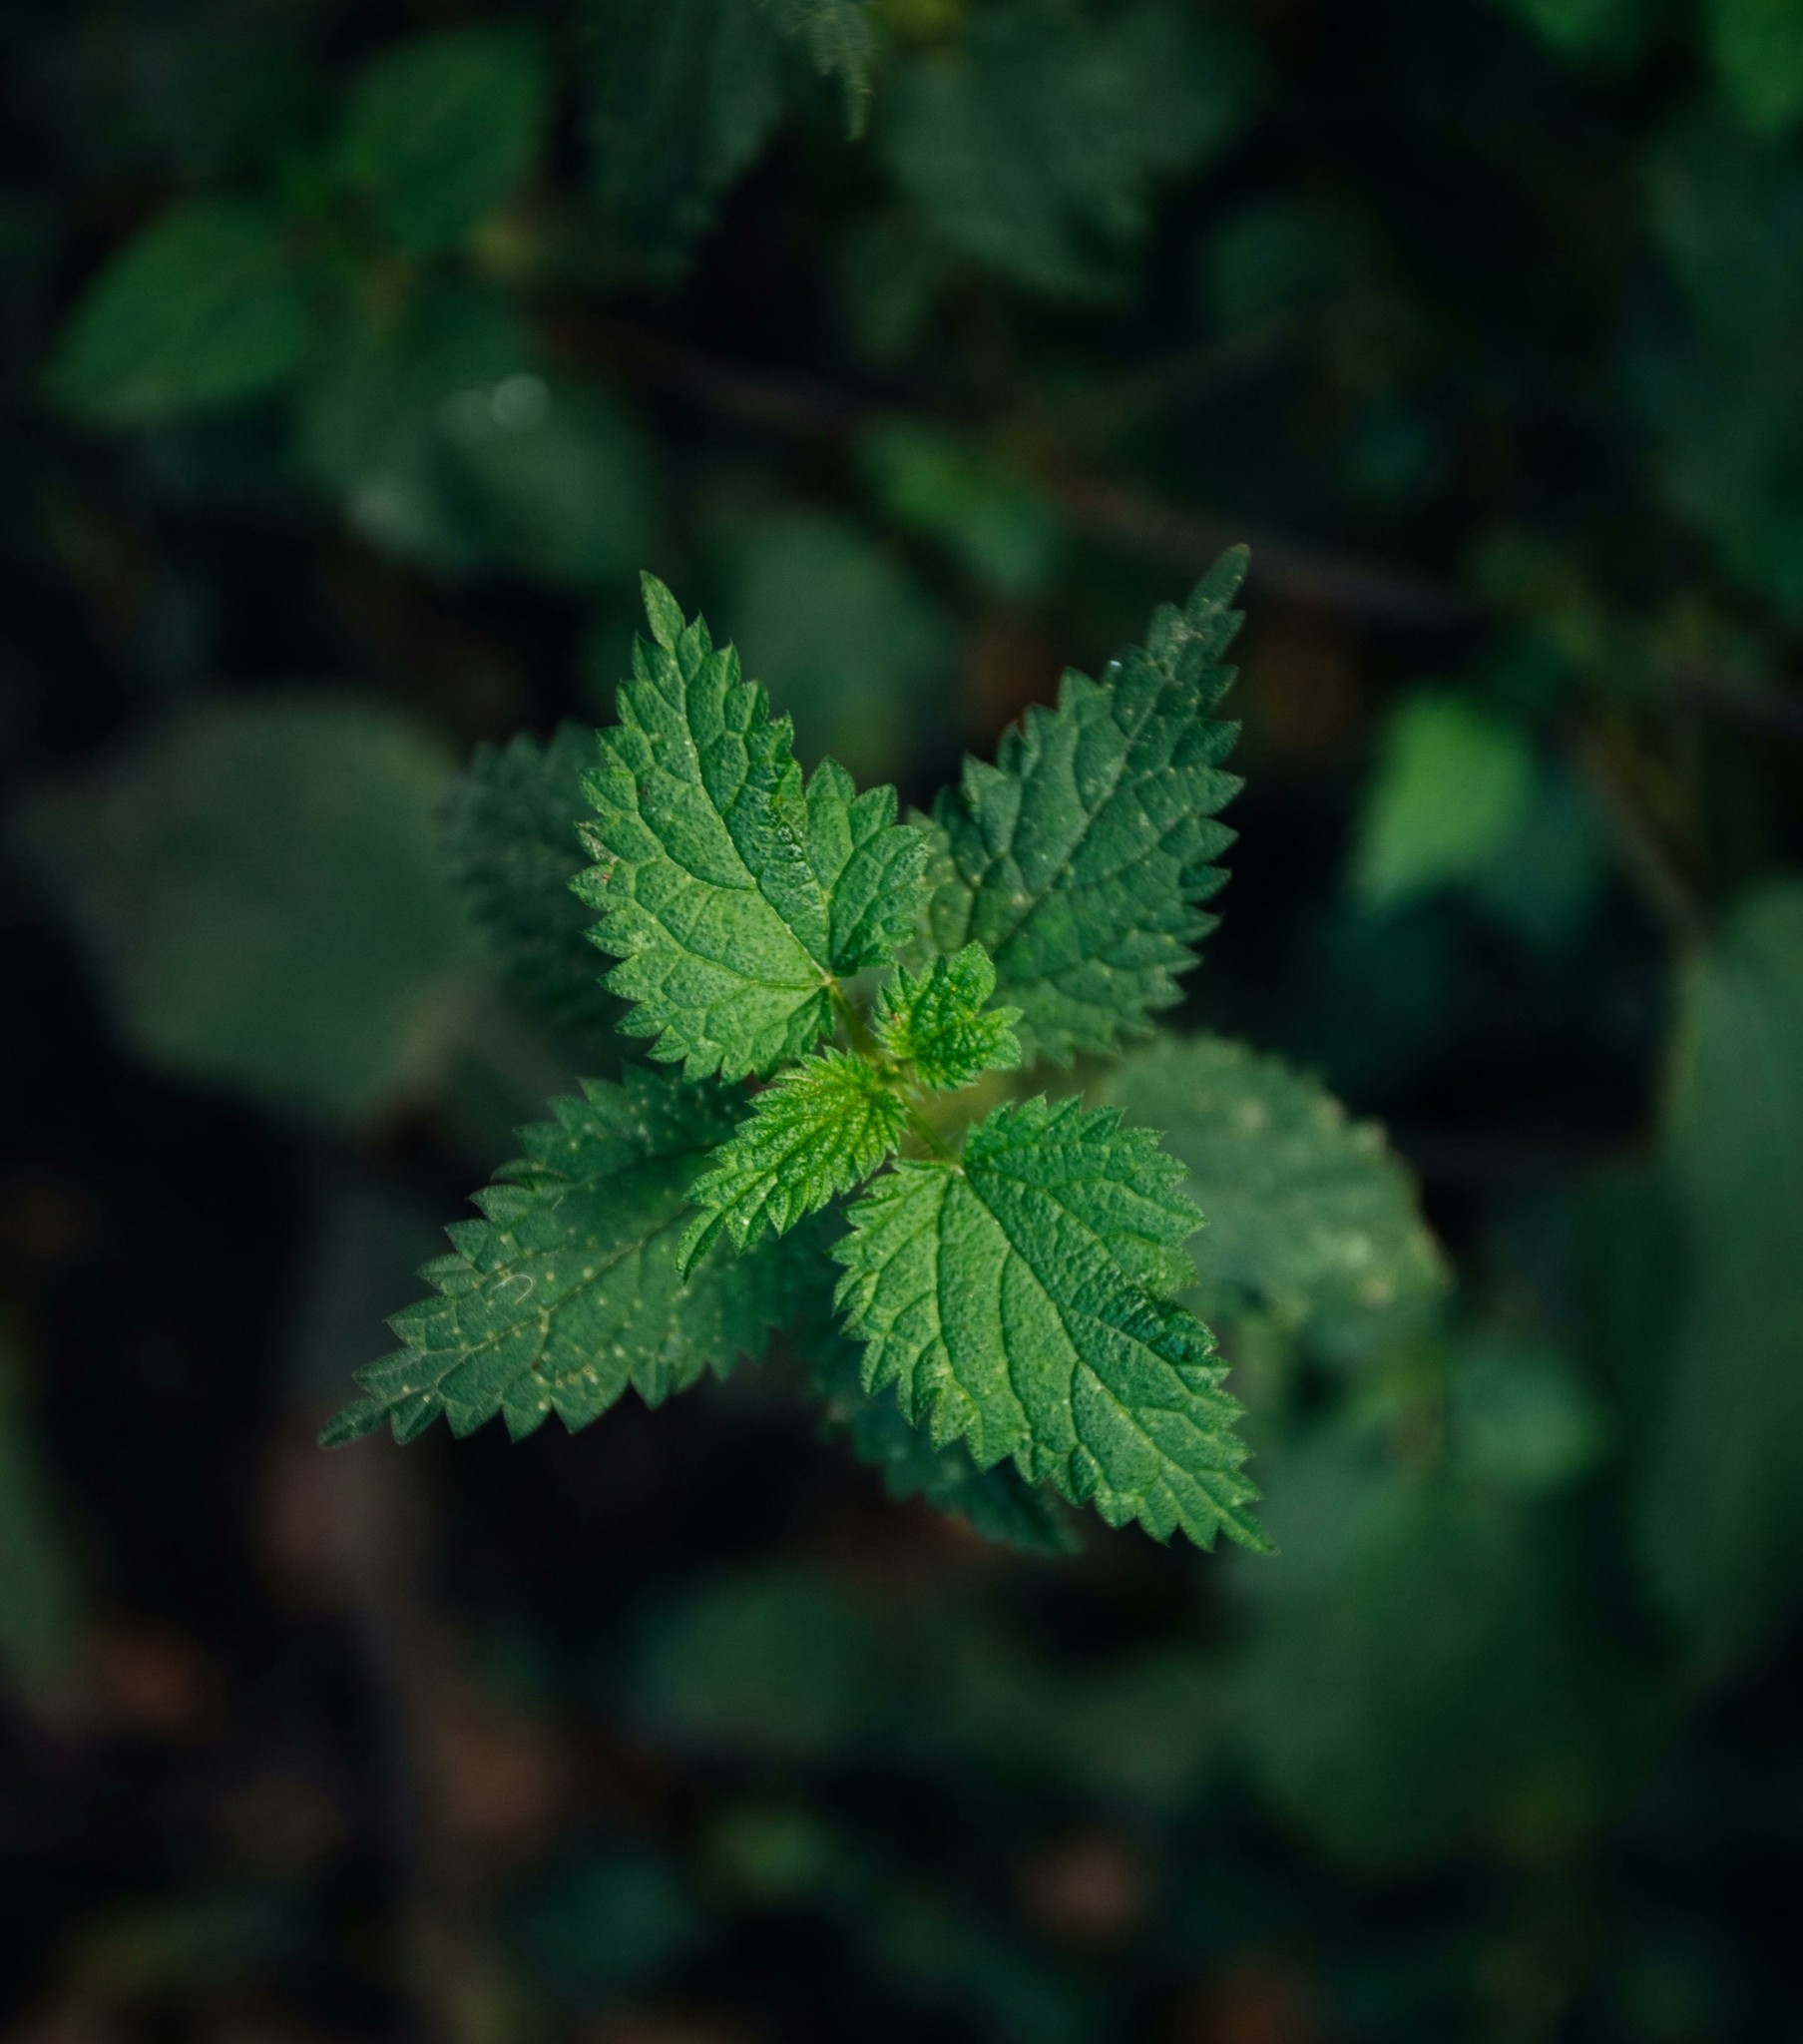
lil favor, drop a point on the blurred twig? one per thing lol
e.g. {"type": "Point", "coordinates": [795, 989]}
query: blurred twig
{"type": "Point", "coordinates": [1342, 583]}
{"type": "Point", "coordinates": [1339, 582]}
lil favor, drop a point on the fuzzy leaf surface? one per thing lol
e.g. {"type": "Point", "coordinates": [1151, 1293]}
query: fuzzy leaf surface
{"type": "Point", "coordinates": [935, 1020]}
{"type": "Point", "coordinates": [1021, 1298]}
{"type": "Point", "coordinates": [999, 1503]}
{"type": "Point", "coordinates": [508, 828]}
{"type": "Point", "coordinates": [566, 1291]}
{"type": "Point", "coordinates": [1079, 861]}
{"type": "Point", "coordinates": [821, 1129]}
{"type": "Point", "coordinates": [734, 892]}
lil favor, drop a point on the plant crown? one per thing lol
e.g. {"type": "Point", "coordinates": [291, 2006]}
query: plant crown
{"type": "Point", "coordinates": [845, 1010]}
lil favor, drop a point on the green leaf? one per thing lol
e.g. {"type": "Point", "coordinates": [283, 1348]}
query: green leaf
{"type": "Point", "coordinates": [1758, 50]}
{"type": "Point", "coordinates": [1308, 1215]}
{"type": "Point", "coordinates": [842, 39]}
{"type": "Point", "coordinates": [684, 93]}
{"type": "Point", "coordinates": [1035, 144]}
{"type": "Point", "coordinates": [1720, 390]}
{"type": "Point", "coordinates": [441, 130]}
{"type": "Point", "coordinates": [734, 894]}
{"type": "Point", "coordinates": [508, 826]}
{"type": "Point", "coordinates": [1020, 1298]}
{"type": "Point", "coordinates": [1721, 1490]}
{"type": "Point", "coordinates": [1453, 787]}
{"type": "Point", "coordinates": [934, 1020]}
{"type": "Point", "coordinates": [433, 426]}
{"type": "Point", "coordinates": [262, 891]}
{"type": "Point", "coordinates": [979, 504]}
{"type": "Point", "coordinates": [999, 1503]}
{"type": "Point", "coordinates": [1588, 28]}
{"type": "Point", "coordinates": [823, 1127]}
{"type": "Point", "coordinates": [1080, 859]}
{"type": "Point", "coordinates": [566, 1291]}
{"type": "Point", "coordinates": [1422, 1672]}
{"type": "Point", "coordinates": [204, 307]}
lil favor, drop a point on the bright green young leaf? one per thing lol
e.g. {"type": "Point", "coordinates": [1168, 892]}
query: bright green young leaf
{"type": "Point", "coordinates": [685, 94]}
{"type": "Point", "coordinates": [1758, 51]}
{"type": "Point", "coordinates": [566, 1293]}
{"type": "Point", "coordinates": [1308, 1215]}
{"type": "Point", "coordinates": [998, 1503]}
{"type": "Point", "coordinates": [508, 828]}
{"type": "Point", "coordinates": [734, 894]}
{"type": "Point", "coordinates": [823, 1127]}
{"type": "Point", "coordinates": [938, 1021]}
{"type": "Point", "coordinates": [443, 129]}
{"type": "Point", "coordinates": [1721, 1493]}
{"type": "Point", "coordinates": [1454, 784]}
{"type": "Point", "coordinates": [204, 307]}
{"type": "Point", "coordinates": [1020, 1298]}
{"type": "Point", "coordinates": [262, 891]}
{"type": "Point", "coordinates": [1080, 859]}
{"type": "Point", "coordinates": [1034, 143]}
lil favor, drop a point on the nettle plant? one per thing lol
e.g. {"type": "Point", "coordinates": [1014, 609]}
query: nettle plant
{"type": "Point", "coordinates": [861, 1098]}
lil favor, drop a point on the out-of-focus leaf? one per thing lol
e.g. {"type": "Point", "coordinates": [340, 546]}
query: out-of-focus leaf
{"type": "Point", "coordinates": [844, 638]}
{"type": "Point", "coordinates": [842, 39]}
{"type": "Point", "coordinates": [204, 307]}
{"type": "Point", "coordinates": [508, 825]}
{"type": "Point", "coordinates": [1547, 873]}
{"type": "Point", "coordinates": [604, 1922]}
{"type": "Point", "coordinates": [684, 94]}
{"type": "Point", "coordinates": [445, 444]}
{"type": "Point", "coordinates": [1519, 1417]}
{"type": "Point", "coordinates": [259, 888]}
{"type": "Point", "coordinates": [371, 412]}
{"type": "Point", "coordinates": [1758, 51]}
{"type": "Point", "coordinates": [779, 1661]}
{"type": "Point", "coordinates": [1722, 1496]}
{"type": "Point", "coordinates": [1308, 1214]}
{"type": "Point", "coordinates": [441, 130]}
{"type": "Point", "coordinates": [1588, 28]}
{"type": "Point", "coordinates": [1453, 786]}
{"type": "Point", "coordinates": [1721, 387]}
{"type": "Point", "coordinates": [548, 476]}
{"type": "Point", "coordinates": [1418, 1678]}
{"type": "Point", "coordinates": [982, 509]}
{"type": "Point", "coordinates": [40, 1602]}
{"type": "Point", "coordinates": [1274, 261]}
{"type": "Point", "coordinates": [1033, 144]}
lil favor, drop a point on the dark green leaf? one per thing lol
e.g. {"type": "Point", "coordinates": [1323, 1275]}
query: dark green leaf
{"type": "Point", "coordinates": [567, 1291]}
{"type": "Point", "coordinates": [204, 307]}
{"type": "Point", "coordinates": [443, 129]}
{"type": "Point", "coordinates": [1080, 859]}
{"type": "Point", "coordinates": [508, 828]}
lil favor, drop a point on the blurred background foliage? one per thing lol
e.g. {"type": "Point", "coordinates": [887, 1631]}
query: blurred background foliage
{"type": "Point", "coordinates": [355, 358]}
